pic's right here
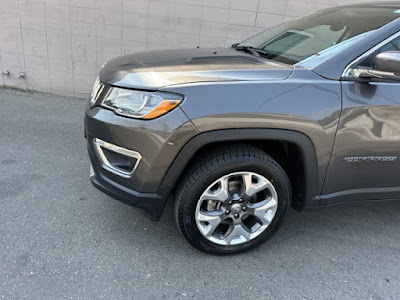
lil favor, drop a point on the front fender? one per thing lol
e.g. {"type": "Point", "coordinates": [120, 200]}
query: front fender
{"type": "Point", "coordinates": [305, 102]}
{"type": "Point", "coordinates": [303, 142]}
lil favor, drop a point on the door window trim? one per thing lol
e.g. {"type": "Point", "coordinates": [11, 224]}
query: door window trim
{"type": "Point", "coordinates": [346, 73]}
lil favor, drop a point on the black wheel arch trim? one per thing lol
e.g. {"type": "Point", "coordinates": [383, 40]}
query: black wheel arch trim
{"type": "Point", "coordinates": [236, 135]}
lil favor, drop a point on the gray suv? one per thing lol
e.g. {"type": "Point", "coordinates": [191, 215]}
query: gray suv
{"type": "Point", "coordinates": [306, 114]}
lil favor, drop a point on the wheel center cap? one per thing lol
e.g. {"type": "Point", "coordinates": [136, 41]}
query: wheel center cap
{"type": "Point", "coordinates": [236, 208]}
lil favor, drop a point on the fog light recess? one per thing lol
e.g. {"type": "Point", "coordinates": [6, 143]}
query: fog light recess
{"type": "Point", "coordinates": [118, 160]}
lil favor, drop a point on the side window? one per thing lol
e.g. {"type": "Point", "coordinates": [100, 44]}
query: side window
{"type": "Point", "coordinates": [368, 62]}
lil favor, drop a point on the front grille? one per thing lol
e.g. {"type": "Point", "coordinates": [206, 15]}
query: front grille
{"type": "Point", "coordinates": [96, 92]}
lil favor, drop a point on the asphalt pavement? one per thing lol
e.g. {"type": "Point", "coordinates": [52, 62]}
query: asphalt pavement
{"type": "Point", "coordinates": [60, 238]}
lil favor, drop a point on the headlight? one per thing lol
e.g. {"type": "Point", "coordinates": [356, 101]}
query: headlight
{"type": "Point", "coordinates": [137, 104]}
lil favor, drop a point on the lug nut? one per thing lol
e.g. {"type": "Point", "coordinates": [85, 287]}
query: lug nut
{"type": "Point", "coordinates": [236, 216]}
{"type": "Point", "coordinates": [241, 200]}
{"type": "Point", "coordinates": [227, 212]}
{"type": "Point", "coordinates": [244, 208]}
{"type": "Point", "coordinates": [230, 202]}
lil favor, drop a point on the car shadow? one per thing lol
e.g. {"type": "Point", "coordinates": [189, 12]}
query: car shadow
{"type": "Point", "coordinates": [357, 222]}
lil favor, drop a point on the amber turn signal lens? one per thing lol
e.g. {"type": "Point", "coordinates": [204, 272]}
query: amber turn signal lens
{"type": "Point", "coordinates": [162, 108]}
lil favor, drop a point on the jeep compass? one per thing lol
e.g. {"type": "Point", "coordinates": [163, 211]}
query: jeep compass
{"type": "Point", "coordinates": [303, 115]}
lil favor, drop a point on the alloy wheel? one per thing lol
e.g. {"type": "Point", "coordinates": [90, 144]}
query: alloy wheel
{"type": "Point", "coordinates": [236, 208]}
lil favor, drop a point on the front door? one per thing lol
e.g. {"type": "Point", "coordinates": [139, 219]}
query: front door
{"type": "Point", "coordinates": [365, 161]}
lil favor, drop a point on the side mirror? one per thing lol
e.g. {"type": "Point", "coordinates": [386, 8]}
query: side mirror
{"type": "Point", "coordinates": [388, 62]}
{"type": "Point", "coordinates": [386, 68]}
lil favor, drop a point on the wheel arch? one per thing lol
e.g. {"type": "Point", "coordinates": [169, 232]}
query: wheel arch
{"type": "Point", "coordinates": [267, 140]}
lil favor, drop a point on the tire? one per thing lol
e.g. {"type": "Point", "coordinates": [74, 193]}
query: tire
{"type": "Point", "coordinates": [234, 170]}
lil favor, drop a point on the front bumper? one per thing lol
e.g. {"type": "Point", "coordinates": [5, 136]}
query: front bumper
{"type": "Point", "coordinates": [158, 141]}
{"type": "Point", "coordinates": [152, 205]}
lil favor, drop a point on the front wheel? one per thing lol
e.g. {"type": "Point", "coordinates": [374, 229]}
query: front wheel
{"type": "Point", "coordinates": [232, 200]}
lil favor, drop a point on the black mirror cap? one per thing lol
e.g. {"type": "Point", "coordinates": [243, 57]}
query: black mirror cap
{"type": "Point", "coordinates": [388, 61]}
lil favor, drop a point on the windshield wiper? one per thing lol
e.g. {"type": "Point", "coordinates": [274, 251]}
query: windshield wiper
{"type": "Point", "coordinates": [255, 51]}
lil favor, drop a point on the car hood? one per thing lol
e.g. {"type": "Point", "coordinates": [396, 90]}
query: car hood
{"type": "Point", "coordinates": [156, 69]}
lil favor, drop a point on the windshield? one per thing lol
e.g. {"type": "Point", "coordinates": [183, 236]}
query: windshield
{"type": "Point", "coordinates": [298, 40]}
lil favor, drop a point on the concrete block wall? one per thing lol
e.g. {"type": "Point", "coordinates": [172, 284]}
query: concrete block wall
{"type": "Point", "coordinates": [61, 44]}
